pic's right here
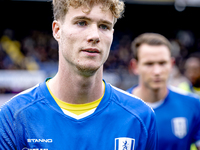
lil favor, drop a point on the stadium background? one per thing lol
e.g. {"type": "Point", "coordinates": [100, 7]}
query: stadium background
{"type": "Point", "coordinates": [29, 53]}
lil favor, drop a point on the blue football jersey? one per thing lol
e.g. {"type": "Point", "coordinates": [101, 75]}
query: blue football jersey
{"type": "Point", "coordinates": [32, 120]}
{"type": "Point", "coordinates": [178, 120]}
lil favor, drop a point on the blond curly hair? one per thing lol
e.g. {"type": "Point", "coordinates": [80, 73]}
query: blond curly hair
{"type": "Point", "coordinates": [60, 7]}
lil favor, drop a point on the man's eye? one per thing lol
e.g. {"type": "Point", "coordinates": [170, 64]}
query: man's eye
{"type": "Point", "coordinates": [104, 27]}
{"type": "Point", "coordinates": [149, 64]}
{"type": "Point", "coordinates": [163, 63]}
{"type": "Point", "coordinates": [82, 23]}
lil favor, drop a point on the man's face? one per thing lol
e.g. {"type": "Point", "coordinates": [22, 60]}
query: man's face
{"type": "Point", "coordinates": [154, 66]}
{"type": "Point", "coordinates": [192, 70]}
{"type": "Point", "coordinates": [84, 38]}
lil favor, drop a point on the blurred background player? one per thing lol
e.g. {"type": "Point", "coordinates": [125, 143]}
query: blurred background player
{"type": "Point", "coordinates": [177, 114]}
{"type": "Point", "coordinates": [192, 73]}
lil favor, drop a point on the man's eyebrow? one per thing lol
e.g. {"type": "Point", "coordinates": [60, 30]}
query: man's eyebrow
{"type": "Point", "coordinates": [106, 22]}
{"type": "Point", "coordinates": [87, 18]}
{"type": "Point", "coordinates": [81, 18]}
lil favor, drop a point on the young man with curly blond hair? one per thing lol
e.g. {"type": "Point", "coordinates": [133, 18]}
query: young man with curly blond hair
{"type": "Point", "coordinates": [76, 109]}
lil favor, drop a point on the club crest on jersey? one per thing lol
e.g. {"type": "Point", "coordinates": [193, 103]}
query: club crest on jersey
{"type": "Point", "coordinates": [124, 143]}
{"type": "Point", "coordinates": [179, 127]}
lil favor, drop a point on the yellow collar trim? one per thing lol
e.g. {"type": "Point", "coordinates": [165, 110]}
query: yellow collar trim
{"type": "Point", "coordinates": [77, 109]}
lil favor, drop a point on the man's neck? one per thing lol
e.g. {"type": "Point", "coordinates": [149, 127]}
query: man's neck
{"type": "Point", "coordinates": [76, 89]}
{"type": "Point", "coordinates": [149, 95]}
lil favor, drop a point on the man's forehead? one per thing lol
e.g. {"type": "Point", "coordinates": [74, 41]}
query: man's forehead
{"type": "Point", "coordinates": [93, 13]}
{"type": "Point", "coordinates": [145, 45]}
{"type": "Point", "coordinates": [153, 49]}
{"type": "Point", "coordinates": [153, 53]}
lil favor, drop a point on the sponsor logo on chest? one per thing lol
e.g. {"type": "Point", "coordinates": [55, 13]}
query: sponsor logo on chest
{"type": "Point", "coordinates": [25, 148]}
{"type": "Point", "coordinates": [40, 140]}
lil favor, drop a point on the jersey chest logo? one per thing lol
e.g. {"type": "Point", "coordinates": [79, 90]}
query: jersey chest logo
{"type": "Point", "coordinates": [179, 127]}
{"type": "Point", "coordinates": [124, 143]}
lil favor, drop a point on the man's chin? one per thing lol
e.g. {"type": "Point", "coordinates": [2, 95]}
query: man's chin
{"type": "Point", "coordinates": [87, 70]}
{"type": "Point", "coordinates": [157, 87]}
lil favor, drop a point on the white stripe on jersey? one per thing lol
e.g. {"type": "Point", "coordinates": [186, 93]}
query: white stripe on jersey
{"type": "Point", "coordinates": [78, 116]}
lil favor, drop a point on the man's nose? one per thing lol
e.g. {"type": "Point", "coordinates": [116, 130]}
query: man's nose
{"type": "Point", "coordinates": [157, 69]}
{"type": "Point", "coordinates": [93, 34]}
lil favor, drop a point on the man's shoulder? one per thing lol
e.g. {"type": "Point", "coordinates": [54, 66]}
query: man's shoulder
{"type": "Point", "coordinates": [131, 103]}
{"type": "Point", "coordinates": [135, 107]}
{"type": "Point", "coordinates": [181, 94]}
{"type": "Point", "coordinates": [184, 100]}
{"type": "Point", "coordinates": [21, 100]}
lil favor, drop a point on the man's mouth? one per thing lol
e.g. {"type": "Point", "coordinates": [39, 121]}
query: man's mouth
{"type": "Point", "coordinates": [157, 80]}
{"type": "Point", "coordinates": [91, 50]}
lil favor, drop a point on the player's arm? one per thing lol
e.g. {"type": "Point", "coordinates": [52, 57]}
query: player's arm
{"type": "Point", "coordinates": [7, 137]}
{"type": "Point", "coordinates": [5, 141]}
{"type": "Point", "coordinates": [153, 135]}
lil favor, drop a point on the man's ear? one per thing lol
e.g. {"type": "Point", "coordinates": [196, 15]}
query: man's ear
{"type": "Point", "coordinates": [56, 29]}
{"type": "Point", "coordinates": [173, 61]}
{"type": "Point", "coordinates": [134, 66]}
